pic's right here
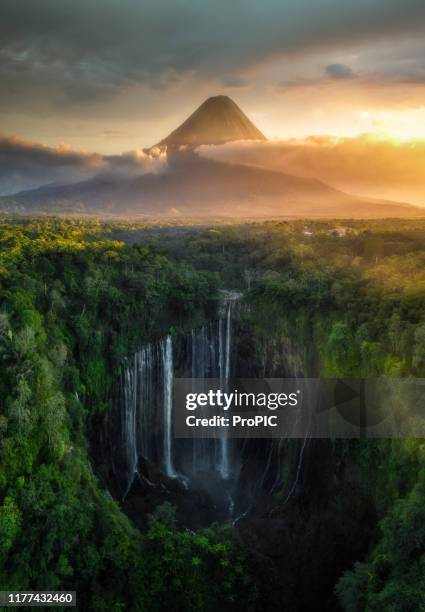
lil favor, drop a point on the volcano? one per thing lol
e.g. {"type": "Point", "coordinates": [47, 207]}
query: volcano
{"type": "Point", "coordinates": [194, 186]}
{"type": "Point", "coordinates": [218, 120]}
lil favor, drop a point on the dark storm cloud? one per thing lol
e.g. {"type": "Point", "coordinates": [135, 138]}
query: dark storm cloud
{"type": "Point", "coordinates": [75, 52]}
{"type": "Point", "coordinates": [27, 165]}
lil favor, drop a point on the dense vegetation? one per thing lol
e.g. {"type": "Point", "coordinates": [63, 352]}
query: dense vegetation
{"type": "Point", "coordinates": [72, 306]}
{"type": "Point", "coordinates": [76, 297]}
{"type": "Point", "coordinates": [356, 292]}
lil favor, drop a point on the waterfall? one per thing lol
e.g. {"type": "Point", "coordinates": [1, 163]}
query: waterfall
{"type": "Point", "coordinates": [228, 338]}
{"type": "Point", "coordinates": [168, 372]}
{"type": "Point", "coordinates": [207, 464]}
{"type": "Point", "coordinates": [147, 392]}
{"type": "Point", "coordinates": [129, 425]}
{"type": "Point", "coordinates": [147, 402]}
{"type": "Point", "coordinates": [137, 396]}
{"type": "Point", "coordinates": [224, 364]}
{"type": "Point", "coordinates": [202, 357]}
{"type": "Point", "coordinates": [145, 362]}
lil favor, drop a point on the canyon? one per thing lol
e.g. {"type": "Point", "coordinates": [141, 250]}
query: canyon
{"type": "Point", "coordinates": [297, 504]}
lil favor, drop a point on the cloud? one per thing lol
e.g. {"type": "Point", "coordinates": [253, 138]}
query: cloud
{"type": "Point", "coordinates": [25, 165]}
{"type": "Point", "coordinates": [134, 163]}
{"type": "Point", "coordinates": [366, 165]}
{"type": "Point", "coordinates": [339, 71]}
{"type": "Point", "coordinates": [331, 73]}
{"type": "Point", "coordinates": [72, 54]}
{"type": "Point", "coordinates": [28, 165]}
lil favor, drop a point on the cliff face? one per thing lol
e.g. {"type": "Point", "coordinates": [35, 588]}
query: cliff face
{"type": "Point", "coordinates": [298, 504]}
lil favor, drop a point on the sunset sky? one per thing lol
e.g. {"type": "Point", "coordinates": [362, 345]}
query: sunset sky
{"type": "Point", "coordinates": [84, 81]}
{"type": "Point", "coordinates": [111, 76]}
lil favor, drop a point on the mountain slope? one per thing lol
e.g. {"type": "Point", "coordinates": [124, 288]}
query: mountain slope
{"type": "Point", "coordinates": [194, 186]}
{"type": "Point", "coordinates": [216, 121]}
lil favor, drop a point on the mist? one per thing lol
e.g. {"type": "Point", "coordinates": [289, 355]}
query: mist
{"type": "Point", "coordinates": [366, 165]}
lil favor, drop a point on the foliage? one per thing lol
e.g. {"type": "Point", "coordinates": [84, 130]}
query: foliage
{"type": "Point", "coordinates": [78, 296]}
{"type": "Point", "coordinates": [73, 304]}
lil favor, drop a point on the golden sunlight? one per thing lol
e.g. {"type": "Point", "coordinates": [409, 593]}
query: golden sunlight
{"type": "Point", "coordinates": [400, 126]}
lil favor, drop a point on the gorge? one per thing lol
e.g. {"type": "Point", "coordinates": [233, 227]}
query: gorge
{"type": "Point", "coordinates": [287, 491]}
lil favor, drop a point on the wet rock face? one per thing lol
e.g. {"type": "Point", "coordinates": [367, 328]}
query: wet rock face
{"type": "Point", "coordinates": [301, 543]}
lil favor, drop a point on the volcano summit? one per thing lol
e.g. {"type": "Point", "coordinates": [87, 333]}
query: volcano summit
{"type": "Point", "coordinates": [218, 120]}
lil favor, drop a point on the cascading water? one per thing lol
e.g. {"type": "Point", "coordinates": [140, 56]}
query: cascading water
{"type": "Point", "coordinates": [224, 363]}
{"type": "Point", "coordinates": [236, 476]}
{"type": "Point", "coordinates": [130, 416]}
{"type": "Point", "coordinates": [138, 400]}
{"type": "Point", "coordinates": [203, 365]}
{"type": "Point", "coordinates": [167, 359]}
{"type": "Point", "coordinates": [147, 391]}
{"type": "Point", "coordinates": [146, 359]}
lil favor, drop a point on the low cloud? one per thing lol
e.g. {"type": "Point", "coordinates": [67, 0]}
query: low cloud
{"type": "Point", "coordinates": [136, 162]}
{"type": "Point", "coordinates": [28, 165]}
{"type": "Point", "coordinates": [366, 165]}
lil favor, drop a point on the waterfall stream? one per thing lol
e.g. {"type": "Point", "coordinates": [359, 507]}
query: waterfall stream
{"type": "Point", "coordinates": [167, 359]}
{"type": "Point", "coordinates": [225, 337]}
{"type": "Point", "coordinates": [147, 397]}
{"type": "Point", "coordinates": [209, 464]}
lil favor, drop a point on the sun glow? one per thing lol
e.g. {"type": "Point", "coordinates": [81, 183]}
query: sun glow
{"type": "Point", "coordinates": [400, 126]}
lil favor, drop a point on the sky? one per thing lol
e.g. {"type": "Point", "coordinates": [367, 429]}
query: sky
{"type": "Point", "coordinates": [111, 76]}
{"type": "Point", "coordinates": [87, 84]}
